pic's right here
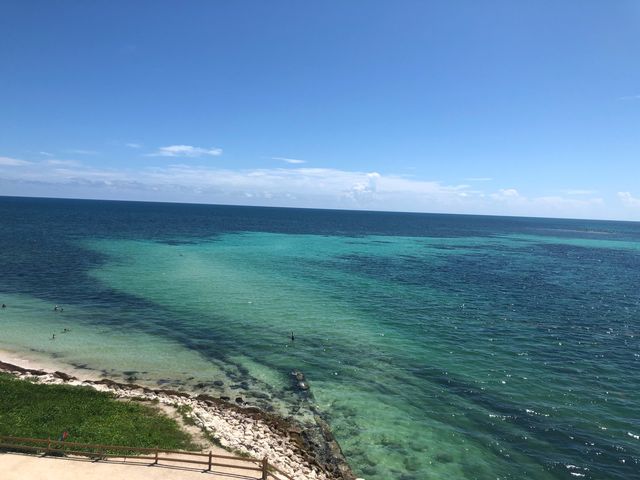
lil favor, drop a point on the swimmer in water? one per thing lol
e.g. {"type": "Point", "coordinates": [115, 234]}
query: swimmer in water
{"type": "Point", "coordinates": [292, 337]}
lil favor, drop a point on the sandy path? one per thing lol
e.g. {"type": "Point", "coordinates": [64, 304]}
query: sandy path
{"type": "Point", "coordinates": [15, 466]}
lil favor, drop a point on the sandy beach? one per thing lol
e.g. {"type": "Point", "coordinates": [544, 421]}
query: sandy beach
{"type": "Point", "coordinates": [36, 361]}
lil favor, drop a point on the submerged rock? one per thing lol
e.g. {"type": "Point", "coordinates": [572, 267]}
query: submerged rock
{"type": "Point", "coordinates": [299, 380]}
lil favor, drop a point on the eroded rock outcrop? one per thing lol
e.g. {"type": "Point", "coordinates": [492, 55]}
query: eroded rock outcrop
{"type": "Point", "coordinates": [303, 451]}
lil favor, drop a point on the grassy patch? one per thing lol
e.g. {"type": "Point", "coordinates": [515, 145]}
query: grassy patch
{"type": "Point", "coordinates": [29, 409]}
{"type": "Point", "coordinates": [185, 413]}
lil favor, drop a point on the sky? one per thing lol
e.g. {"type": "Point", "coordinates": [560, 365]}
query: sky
{"type": "Point", "coordinates": [481, 106]}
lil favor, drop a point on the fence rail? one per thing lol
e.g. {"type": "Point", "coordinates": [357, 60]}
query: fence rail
{"type": "Point", "coordinates": [99, 452]}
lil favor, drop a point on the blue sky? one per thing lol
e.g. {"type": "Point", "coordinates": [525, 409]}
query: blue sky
{"type": "Point", "coordinates": [491, 107]}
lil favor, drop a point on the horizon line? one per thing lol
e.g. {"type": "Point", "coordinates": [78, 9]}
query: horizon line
{"type": "Point", "coordinates": [316, 208]}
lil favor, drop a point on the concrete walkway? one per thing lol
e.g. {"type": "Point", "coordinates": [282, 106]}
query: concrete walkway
{"type": "Point", "coordinates": [18, 466]}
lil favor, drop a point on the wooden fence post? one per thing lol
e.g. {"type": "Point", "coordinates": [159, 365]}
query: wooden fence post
{"type": "Point", "coordinates": [98, 452]}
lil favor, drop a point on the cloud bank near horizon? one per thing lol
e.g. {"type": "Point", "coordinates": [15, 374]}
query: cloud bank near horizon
{"type": "Point", "coordinates": [293, 186]}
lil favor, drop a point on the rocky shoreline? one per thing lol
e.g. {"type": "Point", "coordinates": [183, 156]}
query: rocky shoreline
{"type": "Point", "coordinates": [302, 451]}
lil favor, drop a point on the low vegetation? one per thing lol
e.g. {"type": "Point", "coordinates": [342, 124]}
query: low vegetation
{"type": "Point", "coordinates": [29, 409]}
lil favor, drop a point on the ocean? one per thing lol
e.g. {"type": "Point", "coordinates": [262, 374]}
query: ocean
{"type": "Point", "coordinates": [436, 346]}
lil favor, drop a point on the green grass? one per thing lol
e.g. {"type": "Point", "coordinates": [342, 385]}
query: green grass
{"type": "Point", "coordinates": [30, 409]}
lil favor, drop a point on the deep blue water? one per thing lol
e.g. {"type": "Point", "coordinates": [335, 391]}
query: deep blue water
{"type": "Point", "coordinates": [436, 345]}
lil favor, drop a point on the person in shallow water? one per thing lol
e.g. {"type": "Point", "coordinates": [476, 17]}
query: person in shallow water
{"type": "Point", "coordinates": [4, 306]}
{"type": "Point", "coordinates": [292, 337]}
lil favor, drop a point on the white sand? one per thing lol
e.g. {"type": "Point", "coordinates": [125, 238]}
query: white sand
{"type": "Point", "coordinates": [34, 361]}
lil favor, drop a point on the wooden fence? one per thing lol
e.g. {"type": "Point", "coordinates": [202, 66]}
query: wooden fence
{"type": "Point", "coordinates": [206, 461]}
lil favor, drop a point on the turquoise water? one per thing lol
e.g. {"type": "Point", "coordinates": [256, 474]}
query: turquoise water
{"type": "Point", "coordinates": [436, 346]}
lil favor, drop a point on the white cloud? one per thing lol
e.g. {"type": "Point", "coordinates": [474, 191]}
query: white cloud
{"type": "Point", "coordinates": [79, 151]}
{"type": "Point", "coordinates": [515, 203]}
{"type": "Point", "coordinates": [629, 200]}
{"type": "Point", "coordinates": [366, 189]}
{"type": "Point", "coordinates": [562, 203]}
{"type": "Point", "coordinates": [310, 187]}
{"type": "Point", "coordinates": [67, 163]}
{"type": "Point", "coordinates": [185, 151]}
{"type": "Point", "coordinates": [133, 145]}
{"type": "Point", "coordinates": [46, 154]}
{"type": "Point", "coordinates": [288, 186]}
{"type": "Point", "coordinates": [506, 194]}
{"type": "Point", "coordinates": [294, 161]}
{"type": "Point", "coordinates": [12, 162]}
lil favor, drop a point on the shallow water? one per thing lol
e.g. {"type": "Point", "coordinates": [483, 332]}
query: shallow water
{"type": "Point", "coordinates": [436, 345]}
